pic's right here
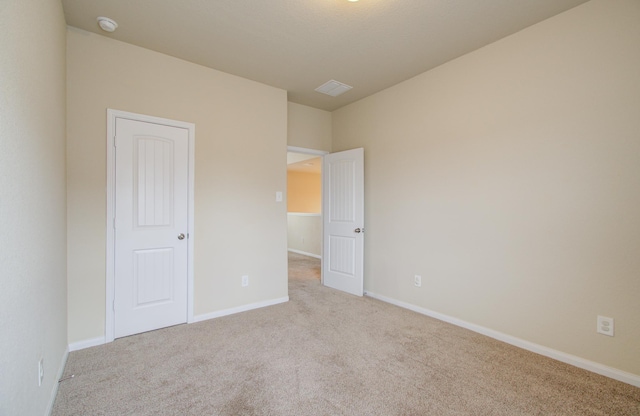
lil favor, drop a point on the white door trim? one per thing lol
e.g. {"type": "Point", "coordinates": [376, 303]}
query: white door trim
{"type": "Point", "coordinates": [304, 150]}
{"type": "Point", "coordinates": [111, 169]}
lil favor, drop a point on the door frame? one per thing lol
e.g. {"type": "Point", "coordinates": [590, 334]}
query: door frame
{"type": "Point", "coordinates": [112, 115]}
{"type": "Point", "coordinates": [321, 154]}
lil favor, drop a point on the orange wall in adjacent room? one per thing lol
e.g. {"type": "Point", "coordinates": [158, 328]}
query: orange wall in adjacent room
{"type": "Point", "coordinates": [304, 192]}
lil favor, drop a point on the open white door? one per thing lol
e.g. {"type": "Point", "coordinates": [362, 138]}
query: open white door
{"type": "Point", "coordinates": [343, 213]}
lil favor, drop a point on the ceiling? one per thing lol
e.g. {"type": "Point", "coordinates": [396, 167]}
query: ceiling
{"type": "Point", "coordinates": [301, 162]}
{"type": "Point", "coordinates": [297, 45]}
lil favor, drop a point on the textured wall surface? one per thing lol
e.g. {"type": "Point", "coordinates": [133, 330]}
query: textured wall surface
{"type": "Point", "coordinates": [308, 127]}
{"type": "Point", "coordinates": [509, 178]}
{"type": "Point", "coordinates": [305, 233]}
{"type": "Point", "coordinates": [240, 164]}
{"type": "Point", "coordinates": [33, 313]}
{"type": "Point", "coordinates": [304, 192]}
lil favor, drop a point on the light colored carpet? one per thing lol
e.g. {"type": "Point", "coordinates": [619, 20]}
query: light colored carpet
{"type": "Point", "coordinates": [328, 353]}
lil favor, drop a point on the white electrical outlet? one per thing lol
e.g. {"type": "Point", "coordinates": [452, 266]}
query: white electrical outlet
{"type": "Point", "coordinates": [417, 280]}
{"type": "Point", "coordinates": [605, 325]}
{"type": "Point", "coordinates": [245, 281]}
{"type": "Point", "coordinates": [40, 371]}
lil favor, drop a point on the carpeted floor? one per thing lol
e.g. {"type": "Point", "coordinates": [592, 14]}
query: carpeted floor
{"type": "Point", "coordinates": [328, 353]}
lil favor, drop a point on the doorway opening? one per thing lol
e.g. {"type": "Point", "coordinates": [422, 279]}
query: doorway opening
{"type": "Point", "coordinates": [304, 211]}
{"type": "Point", "coordinates": [341, 219]}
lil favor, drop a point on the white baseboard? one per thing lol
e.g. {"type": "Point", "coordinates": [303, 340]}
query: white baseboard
{"type": "Point", "coordinates": [54, 390]}
{"type": "Point", "coordinates": [87, 343]}
{"type": "Point", "coordinates": [576, 361]}
{"type": "Point", "coordinates": [239, 309]}
{"type": "Point", "coordinates": [304, 253]}
{"type": "Point", "coordinates": [93, 342]}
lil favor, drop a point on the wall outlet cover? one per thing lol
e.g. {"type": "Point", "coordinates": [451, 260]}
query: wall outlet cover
{"type": "Point", "coordinates": [605, 325]}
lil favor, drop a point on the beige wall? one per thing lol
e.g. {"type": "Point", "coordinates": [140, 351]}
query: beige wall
{"type": "Point", "coordinates": [304, 233]}
{"type": "Point", "coordinates": [33, 310]}
{"type": "Point", "coordinates": [304, 195]}
{"type": "Point", "coordinates": [308, 127]}
{"type": "Point", "coordinates": [509, 179]}
{"type": "Point", "coordinates": [304, 192]}
{"type": "Point", "coordinates": [104, 73]}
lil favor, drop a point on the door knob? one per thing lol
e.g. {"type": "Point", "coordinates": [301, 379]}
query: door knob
{"type": "Point", "coordinates": [180, 236]}
{"type": "Point", "coordinates": [358, 230]}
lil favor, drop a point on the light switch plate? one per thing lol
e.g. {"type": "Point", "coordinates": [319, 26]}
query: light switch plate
{"type": "Point", "coordinates": [417, 280]}
{"type": "Point", "coordinates": [278, 196]}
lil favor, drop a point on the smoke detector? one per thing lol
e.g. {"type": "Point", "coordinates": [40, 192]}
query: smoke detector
{"type": "Point", "coordinates": [106, 24]}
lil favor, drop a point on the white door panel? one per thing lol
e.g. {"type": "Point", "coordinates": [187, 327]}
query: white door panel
{"type": "Point", "coordinates": [151, 213]}
{"type": "Point", "coordinates": [343, 214]}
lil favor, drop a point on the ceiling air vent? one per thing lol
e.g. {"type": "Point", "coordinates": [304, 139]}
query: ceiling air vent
{"type": "Point", "coordinates": [333, 88]}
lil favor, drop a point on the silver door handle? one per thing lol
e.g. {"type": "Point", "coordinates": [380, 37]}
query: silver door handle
{"type": "Point", "coordinates": [180, 236]}
{"type": "Point", "coordinates": [358, 230]}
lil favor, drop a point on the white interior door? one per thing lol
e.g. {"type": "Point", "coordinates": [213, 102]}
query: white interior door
{"type": "Point", "coordinates": [151, 224]}
{"type": "Point", "coordinates": [343, 214]}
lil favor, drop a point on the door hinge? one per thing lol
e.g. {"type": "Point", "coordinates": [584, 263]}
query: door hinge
{"type": "Point", "coordinates": [113, 305]}
{"type": "Point", "coordinates": [114, 223]}
{"type": "Point", "coordinates": [115, 141]}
